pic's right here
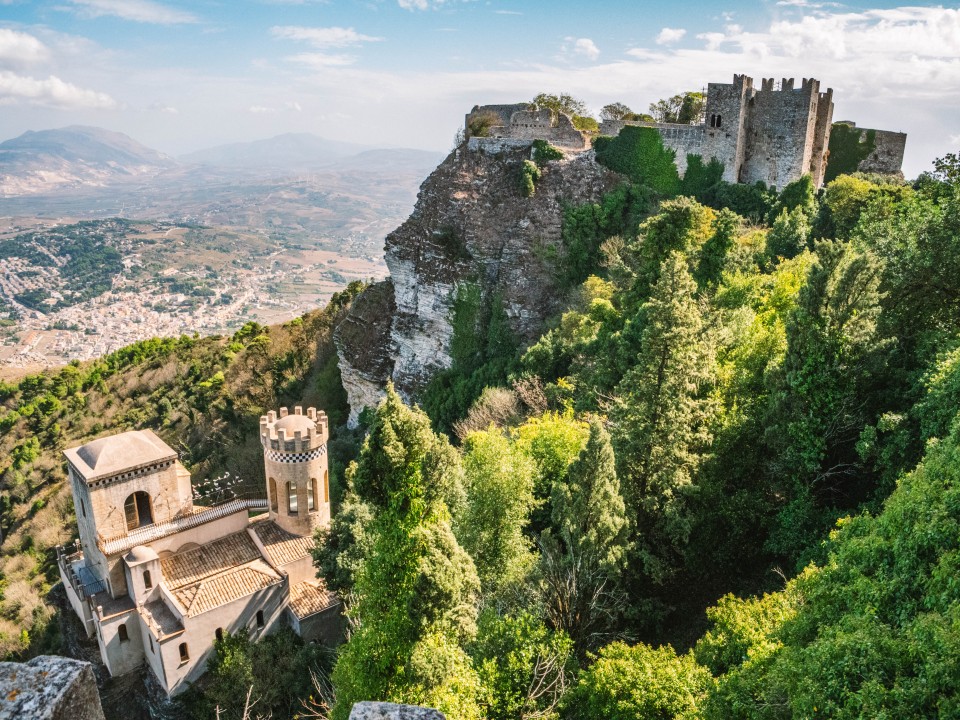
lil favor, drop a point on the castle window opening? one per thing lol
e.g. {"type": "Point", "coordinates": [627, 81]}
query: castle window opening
{"type": "Point", "coordinates": [219, 634]}
{"type": "Point", "coordinates": [291, 498]}
{"type": "Point", "coordinates": [718, 121]}
{"type": "Point", "coordinates": [260, 622]}
{"type": "Point", "coordinates": [273, 495]}
{"type": "Point", "coordinates": [326, 486]}
{"type": "Point", "coordinates": [184, 653]}
{"type": "Point", "coordinates": [137, 511]}
{"type": "Point", "coordinates": [312, 496]}
{"type": "Point", "coordinates": [151, 643]}
{"type": "Point", "coordinates": [122, 633]}
{"type": "Point", "coordinates": [147, 580]}
{"type": "Point", "coordinates": [83, 508]}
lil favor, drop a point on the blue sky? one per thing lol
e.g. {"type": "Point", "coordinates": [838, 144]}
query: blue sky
{"type": "Point", "coordinates": [180, 76]}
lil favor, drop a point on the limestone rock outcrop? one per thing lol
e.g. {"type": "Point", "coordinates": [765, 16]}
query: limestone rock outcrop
{"type": "Point", "coordinates": [471, 223]}
{"type": "Point", "coordinates": [49, 688]}
{"type": "Point", "coordinates": [392, 711]}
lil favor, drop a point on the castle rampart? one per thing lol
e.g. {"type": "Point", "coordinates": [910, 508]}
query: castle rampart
{"type": "Point", "coordinates": [774, 134]}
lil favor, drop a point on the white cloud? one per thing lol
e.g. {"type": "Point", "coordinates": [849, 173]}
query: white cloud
{"type": "Point", "coordinates": [507, 12]}
{"type": "Point", "coordinates": [142, 11]}
{"type": "Point", "coordinates": [587, 48]}
{"type": "Point", "coordinates": [413, 4]}
{"type": "Point", "coordinates": [293, 105]}
{"type": "Point", "coordinates": [260, 109]}
{"type": "Point", "coordinates": [321, 60]}
{"type": "Point", "coordinates": [323, 37]}
{"type": "Point", "coordinates": [167, 109]}
{"type": "Point", "coordinates": [21, 48]}
{"type": "Point", "coordinates": [52, 91]}
{"type": "Point", "coordinates": [668, 36]}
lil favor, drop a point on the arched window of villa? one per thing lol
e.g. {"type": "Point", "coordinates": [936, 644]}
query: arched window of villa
{"type": "Point", "coordinates": [184, 653]}
{"type": "Point", "coordinates": [326, 486]}
{"type": "Point", "coordinates": [147, 580]}
{"type": "Point", "coordinates": [312, 495]}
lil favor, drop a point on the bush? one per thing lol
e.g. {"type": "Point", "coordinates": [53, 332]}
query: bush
{"type": "Point", "coordinates": [529, 174]}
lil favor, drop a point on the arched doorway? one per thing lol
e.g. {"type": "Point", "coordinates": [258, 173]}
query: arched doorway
{"type": "Point", "coordinates": [137, 510]}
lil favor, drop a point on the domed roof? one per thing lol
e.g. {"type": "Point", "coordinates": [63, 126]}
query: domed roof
{"type": "Point", "coordinates": [113, 454]}
{"type": "Point", "coordinates": [140, 554]}
{"type": "Point", "coordinates": [292, 423]}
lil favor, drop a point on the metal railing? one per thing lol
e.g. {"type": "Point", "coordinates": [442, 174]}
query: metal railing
{"type": "Point", "coordinates": [148, 533]}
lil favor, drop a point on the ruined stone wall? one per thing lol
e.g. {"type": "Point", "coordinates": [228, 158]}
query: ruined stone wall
{"type": "Point", "coordinates": [887, 155]}
{"type": "Point", "coordinates": [821, 139]}
{"type": "Point", "coordinates": [683, 140]}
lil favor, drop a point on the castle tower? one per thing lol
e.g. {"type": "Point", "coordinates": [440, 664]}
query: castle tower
{"type": "Point", "coordinates": [295, 461]}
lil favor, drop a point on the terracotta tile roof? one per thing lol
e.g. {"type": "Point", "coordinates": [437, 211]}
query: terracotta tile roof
{"type": "Point", "coordinates": [189, 566]}
{"type": "Point", "coordinates": [282, 547]}
{"type": "Point", "coordinates": [222, 588]}
{"type": "Point", "coordinates": [311, 597]}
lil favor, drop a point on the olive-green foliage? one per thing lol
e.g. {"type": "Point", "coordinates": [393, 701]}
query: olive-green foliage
{"type": "Point", "coordinates": [638, 153]}
{"type": "Point", "coordinates": [873, 632]}
{"type": "Point", "coordinates": [499, 484]}
{"type": "Point", "coordinates": [483, 349]}
{"type": "Point", "coordinates": [586, 547]}
{"type": "Point", "coordinates": [585, 227]}
{"type": "Point", "coordinates": [543, 152]}
{"type": "Point", "coordinates": [514, 654]}
{"type": "Point", "coordinates": [701, 180]}
{"type": "Point", "coordinates": [663, 415]}
{"type": "Point", "coordinates": [416, 590]}
{"type": "Point", "coordinates": [480, 122]}
{"type": "Point", "coordinates": [529, 174]}
{"type": "Point", "coordinates": [849, 146]}
{"type": "Point", "coordinates": [789, 234]}
{"type": "Point", "coordinates": [615, 111]}
{"type": "Point", "coordinates": [629, 683]}
{"type": "Point", "coordinates": [817, 412]}
{"type": "Point", "coordinates": [684, 108]}
{"type": "Point", "coordinates": [276, 670]}
{"type": "Point", "coordinates": [713, 254]}
{"type": "Point", "coordinates": [753, 202]}
{"type": "Point", "coordinates": [798, 194]}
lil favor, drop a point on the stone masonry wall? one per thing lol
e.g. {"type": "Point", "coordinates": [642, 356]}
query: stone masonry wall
{"type": "Point", "coordinates": [887, 155]}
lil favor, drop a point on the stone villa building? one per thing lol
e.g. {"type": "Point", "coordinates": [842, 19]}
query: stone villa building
{"type": "Point", "coordinates": [157, 579]}
{"type": "Point", "coordinates": [774, 134]}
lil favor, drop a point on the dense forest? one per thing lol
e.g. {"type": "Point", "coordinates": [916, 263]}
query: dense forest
{"type": "Point", "coordinates": [722, 484]}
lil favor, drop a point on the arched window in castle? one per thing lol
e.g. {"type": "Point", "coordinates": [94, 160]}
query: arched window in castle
{"type": "Point", "coordinates": [273, 494]}
{"type": "Point", "coordinates": [137, 510]}
{"type": "Point", "coordinates": [219, 634]}
{"type": "Point", "coordinates": [184, 653]}
{"type": "Point", "coordinates": [122, 633]}
{"type": "Point", "coordinates": [718, 121]}
{"type": "Point", "coordinates": [260, 622]}
{"type": "Point", "coordinates": [326, 486]}
{"type": "Point", "coordinates": [312, 495]}
{"type": "Point", "coordinates": [147, 580]}
{"type": "Point", "coordinates": [291, 498]}
{"type": "Point", "coordinates": [713, 120]}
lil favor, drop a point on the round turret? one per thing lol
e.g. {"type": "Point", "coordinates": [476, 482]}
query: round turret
{"type": "Point", "coordinates": [295, 462]}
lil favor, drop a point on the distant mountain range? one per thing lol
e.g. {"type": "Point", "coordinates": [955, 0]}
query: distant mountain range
{"type": "Point", "coordinates": [81, 158]}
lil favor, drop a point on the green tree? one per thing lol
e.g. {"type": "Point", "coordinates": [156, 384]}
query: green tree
{"type": "Point", "coordinates": [797, 194]}
{"type": "Point", "coordinates": [639, 153]}
{"type": "Point", "coordinates": [614, 111]}
{"type": "Point", "coordinates": [713, 254]}
{"type": "Point", "coordinates": [499, 481]}
{"type": "Point", "coordinates": [685, 108]}
{"type": "Point", "coordinates": [663, 415]}
{"type": "Point", "coordinates": [789, 234]}
{"type": "Point", "coordinates": [818, 408]}
{"type": "Point", "coordinates": [416, 591]}
{"type": "Point", "coordinates": [629, 683]}
{"type": "Point", "coordinates": [584, 554]}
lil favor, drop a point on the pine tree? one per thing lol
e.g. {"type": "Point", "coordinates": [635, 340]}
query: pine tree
{"type": "Point", "coordinates": [587, 544]}
{"type": "Point", "coordinates": [662, 416]}
{"type": "Point", "coordinates": [788, 236]}
{"type": "Point", "coordinates": [416, 590]}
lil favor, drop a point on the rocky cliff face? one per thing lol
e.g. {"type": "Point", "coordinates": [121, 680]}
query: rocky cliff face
{"type": "Point", "coordinates": [471, 224]}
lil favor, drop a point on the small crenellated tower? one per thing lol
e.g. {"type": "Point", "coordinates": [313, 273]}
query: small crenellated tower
{"type": "Point", "coordinates": [295, 461]}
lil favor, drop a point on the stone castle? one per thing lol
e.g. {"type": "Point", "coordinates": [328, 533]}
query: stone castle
{"type": "Point", "coordinates": [157, 579]}
{"type": "Point", "coordinates": [772, 134]}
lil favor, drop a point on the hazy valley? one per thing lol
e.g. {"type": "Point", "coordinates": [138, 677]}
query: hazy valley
{"type": "Point", "coordinates": [258, 231]}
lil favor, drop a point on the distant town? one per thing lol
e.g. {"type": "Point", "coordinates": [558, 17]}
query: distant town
{"type": "Point", "coordinates": [76, 291]}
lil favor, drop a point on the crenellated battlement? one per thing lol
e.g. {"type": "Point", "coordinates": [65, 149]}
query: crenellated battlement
{"type": "Point", "coordinates": [296, 432]}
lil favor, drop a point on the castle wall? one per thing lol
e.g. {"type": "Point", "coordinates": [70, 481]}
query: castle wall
{"type": "Point", "coordinates": [683, 140]}
{"type": "Point", "coordinates": [724, 138]}
{"type": "Point", "coordinates": [779, 135]}
{"type": "Point", "coordinates": [121, 656]}
{"type": "Point", "coordinates": [821, 139]}
{"type": "Point", "coordinates": [887, 155]}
